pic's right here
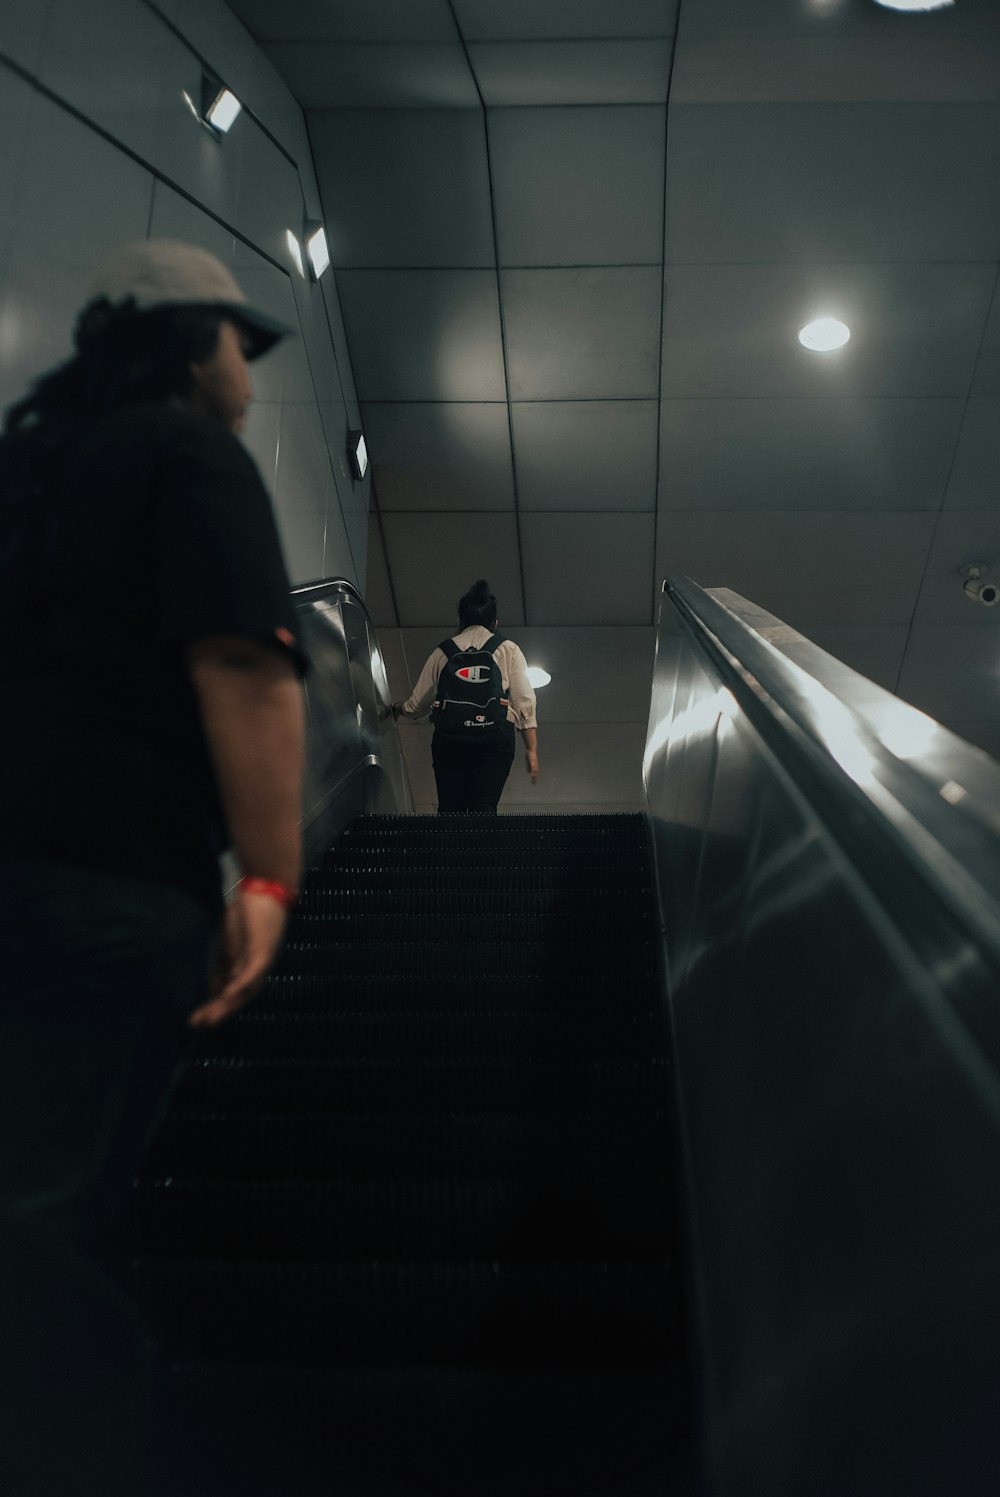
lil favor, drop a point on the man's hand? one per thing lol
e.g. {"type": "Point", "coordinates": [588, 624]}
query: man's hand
{"type": "Point", "coordinates": [251, 938]}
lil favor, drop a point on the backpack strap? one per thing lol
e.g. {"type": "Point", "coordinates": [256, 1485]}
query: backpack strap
{"type": "Point", "coordinates": [449, 648]}
{"type": "Point", "coordinates": [493, 644]}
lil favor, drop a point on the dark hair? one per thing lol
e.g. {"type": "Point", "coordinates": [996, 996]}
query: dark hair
{"type": "Point", "coordinates": [478, 606]}
{"type": "Point", "coordinates": [123, 357]}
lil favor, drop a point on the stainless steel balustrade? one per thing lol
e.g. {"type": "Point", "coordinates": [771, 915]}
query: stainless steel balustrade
{"type": "Point", "coordinates": [828, 861]}
{"type": "Point", "coordinates": [353, 760]}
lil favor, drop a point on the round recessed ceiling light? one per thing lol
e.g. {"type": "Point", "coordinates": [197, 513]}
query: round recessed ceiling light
{"type": "Point", "coordinates": [537, 676]}
{"type": "Point", "coordinates": [914, 4]}
{"type": "Point", "coordinates": [824, 335]}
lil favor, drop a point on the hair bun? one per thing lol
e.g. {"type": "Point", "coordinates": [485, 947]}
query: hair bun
{"type": "Point", "coordinates": [480, 590]}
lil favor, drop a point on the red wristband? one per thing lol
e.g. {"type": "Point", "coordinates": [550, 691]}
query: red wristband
{"type": "Point", "coordinates": [272, 887]}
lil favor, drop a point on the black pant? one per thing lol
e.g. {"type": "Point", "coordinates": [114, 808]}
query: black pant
{"type": "Point", "coordinates": [471, 777]}
{"type": "Point", "coordinates": [97, 976]}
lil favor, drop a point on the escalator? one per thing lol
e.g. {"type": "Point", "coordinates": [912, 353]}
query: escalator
{"type": "Point", "coordinates": [608, 1157]}
{"type": "Point", "coordinates": [409, 1226]}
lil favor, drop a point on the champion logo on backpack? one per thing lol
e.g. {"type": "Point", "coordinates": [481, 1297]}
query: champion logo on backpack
{"type": "Point", "coordinates": [471, 705]}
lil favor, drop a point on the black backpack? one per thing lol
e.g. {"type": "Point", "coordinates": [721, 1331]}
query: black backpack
{"type": "Point", "coordinates": [471, 706]}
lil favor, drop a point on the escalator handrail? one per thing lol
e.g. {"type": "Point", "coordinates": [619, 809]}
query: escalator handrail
{"type": "Point", "coordinates": [886, 812]}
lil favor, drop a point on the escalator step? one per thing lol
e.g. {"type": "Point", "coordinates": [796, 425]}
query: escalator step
{"type": "Point", "coordinates": [552, 993]}
{"type": "Point", "coordinates": [525, 1146]}
{"type": "Point", "coordinates": [471, 958]}
{"type": "Point", "coordinates": [568, 1314]}
{"type": "Point", "coordinates": [417, 1221]}
{"type": "Point", "coordinates": [402, 1033]}
{"type": "Point", "coordinates": [619, 1087]}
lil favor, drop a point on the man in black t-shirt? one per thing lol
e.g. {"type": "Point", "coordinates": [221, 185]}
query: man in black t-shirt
{"type": "Point", "coordinates": [153, 717]}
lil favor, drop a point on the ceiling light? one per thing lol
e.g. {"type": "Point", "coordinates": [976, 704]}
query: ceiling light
{"type": "Point", "coordinates": [357, 452]}
{"type": "Point", "coordinates": [914, 5]}
{"type": "Point", "coordinates": [537, 676]}
{"type": "Point", "coordinates": [317, 248]}
{"type": "Point", "coordinates": [824, 335]}
{"type": "Point", "coordinates": [296, 251]}
{"type": "Point", "coordinates": [219, 105]}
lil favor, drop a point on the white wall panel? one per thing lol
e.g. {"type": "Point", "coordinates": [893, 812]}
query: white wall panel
{"type": "Point", "coordinates": [22, 28]}
{"type": "Point", "coordinates": [79, 198]}
{"type": "Point", "coordinates": [378, 597]}
{"type": "Point", "coordinates": [261, 436]}
{"type": "Point", "coordinates": [18, 104]}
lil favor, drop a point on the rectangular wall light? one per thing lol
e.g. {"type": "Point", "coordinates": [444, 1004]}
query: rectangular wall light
{"type": "Point", "coordinates": [358, 453]}
{"type": "Point", "coordinates": [317, 248]}
{"type": "Point", "coordinates": [219, 105]}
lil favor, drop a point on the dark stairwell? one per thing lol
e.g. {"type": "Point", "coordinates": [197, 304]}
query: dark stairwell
{"type": "Point", "coordinates": [409, 1226]}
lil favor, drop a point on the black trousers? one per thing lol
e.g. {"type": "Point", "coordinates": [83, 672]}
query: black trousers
{"type": "Point", "coordinates": [97, 976]}
{"type": "Point", "coordinates": [471, 777]}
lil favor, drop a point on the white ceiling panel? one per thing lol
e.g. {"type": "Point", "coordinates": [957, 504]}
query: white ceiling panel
{"type": "Point", "coordinates": [953, 673]}
{"type": "Point", "coordinates": [818, 568]}
{"type": "Point", "coordinates": [574, 183]}
{"type": "Point", "coordinates": [443, 455]}
{"type": "Point", "coordinates": [404, 187]}
{"type": "Point", "coordinates": [598, 675]}
{"type": "Point", "coordinates": [586, 454]}
{"type": "Point", "coordinates": [733, 329]}
{"type": "Point", "coordinates": [435, 558]}
{"type": "Point", "coordinates": [424, 334]}
{"type": "Point", "coordinates": [575, 334]}
{"type": "Point", "coordinates": [347, 20]}
{"type": "Point", "coordinates": [975, 477]}
{"type": "Point", "coordinates": [792, 182]}
{"type": "Point", "coordinates": [874, 650]}
{"type": "Point", "coordinates": [572, 72]}
{"type": "Point", "coordinates": [523, 20]}
{"type": "Point", "coordinates": [987, 380]}
{"type": "Point", "coordinates": [332, 75]}
{"type": "Point", "coordinates": [808, 454]}
{"type": "Point", "coordinates": [749, 64]}
{"type": "Point", "coordinates": [609, 556]}
{"type": "Point", "coordinates": [833, 17]}
{"type": "Point", "coordinates": [961, 538]}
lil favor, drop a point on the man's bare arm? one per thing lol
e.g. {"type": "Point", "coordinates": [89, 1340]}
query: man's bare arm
{"type": "Point", "coordinates": [252, 714]}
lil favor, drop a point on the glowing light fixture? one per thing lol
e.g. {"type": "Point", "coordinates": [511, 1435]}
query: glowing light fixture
{"type": "Point", "coordinates": [219, 105]}
{"type": "Point", "coordinates": [914, 5]}
{"type": "Point", "coordinates": [824, 335]}
{"type": "Point", "coordinates": [317, 248]}
{"type": "Point", "coordinates": [295, 250]}
{"type": "Point", "coordinates": [357, 452]}
{"type": "Point", "coordinates": [537, 676]}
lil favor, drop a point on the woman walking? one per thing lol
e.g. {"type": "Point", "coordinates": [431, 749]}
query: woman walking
{"type": "Point", "coordinates": [475, 689]}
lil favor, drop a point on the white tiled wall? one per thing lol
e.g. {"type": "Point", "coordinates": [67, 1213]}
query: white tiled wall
{"type": "Point", "coordinates": [109, 152]}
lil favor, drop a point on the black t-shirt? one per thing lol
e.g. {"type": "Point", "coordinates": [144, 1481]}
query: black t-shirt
{"type": "Point", "coordinates": [122, 542]}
